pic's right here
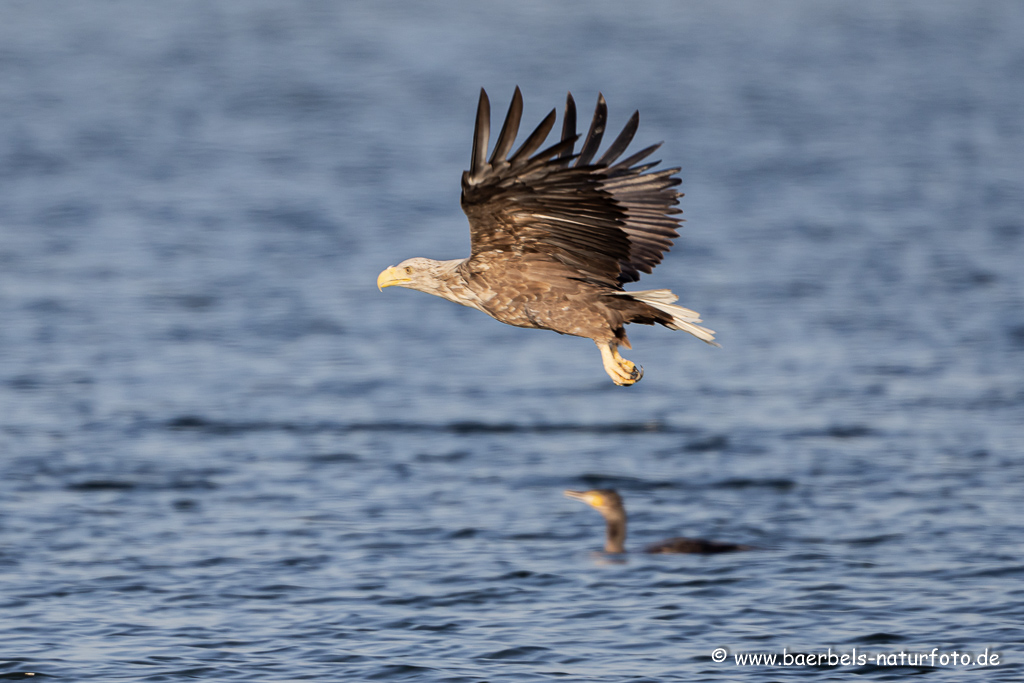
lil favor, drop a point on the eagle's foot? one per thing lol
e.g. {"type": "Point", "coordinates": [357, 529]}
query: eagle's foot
{"type": "Point", "coordinates": [629, 373]}
{"type": "Point", "coordinates": [622, 371]}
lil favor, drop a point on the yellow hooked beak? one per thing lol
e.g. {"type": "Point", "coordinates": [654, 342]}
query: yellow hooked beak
{"type": "Point", "coordinates": [391, 276]}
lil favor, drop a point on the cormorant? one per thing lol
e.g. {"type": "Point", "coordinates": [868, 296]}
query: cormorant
{"type": "Point", "coordinates": [609, 503]}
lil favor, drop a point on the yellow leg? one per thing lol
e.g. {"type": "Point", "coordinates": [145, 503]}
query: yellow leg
{"type": "Point", "coordinates": [622, 371]}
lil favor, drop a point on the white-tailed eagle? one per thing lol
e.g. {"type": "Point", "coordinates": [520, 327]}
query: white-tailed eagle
{"type": "Point", "coordinates": [556, 234]}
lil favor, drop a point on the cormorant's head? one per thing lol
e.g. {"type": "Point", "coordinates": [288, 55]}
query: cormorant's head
{"type": "Point", "coordinates": [606, 501]}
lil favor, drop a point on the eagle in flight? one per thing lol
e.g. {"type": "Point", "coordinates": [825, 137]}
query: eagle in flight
{"type": "Point", "coordinates": [555, 235]}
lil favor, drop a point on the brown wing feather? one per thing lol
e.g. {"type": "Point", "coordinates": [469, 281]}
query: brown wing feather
{"type": "Point", "coordinates": [608, 221]}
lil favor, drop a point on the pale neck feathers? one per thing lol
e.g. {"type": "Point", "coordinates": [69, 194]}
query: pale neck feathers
{"type": "Point", "coordinates": [440, 278]}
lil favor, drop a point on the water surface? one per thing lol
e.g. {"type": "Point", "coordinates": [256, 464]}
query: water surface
{"type": "Point", "coordinates": [225, 456]}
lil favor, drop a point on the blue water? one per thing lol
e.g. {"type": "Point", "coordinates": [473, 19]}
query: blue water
{"type": "Point", "coordinates": [224, 455]}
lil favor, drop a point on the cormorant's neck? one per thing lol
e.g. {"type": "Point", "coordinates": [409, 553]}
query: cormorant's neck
{"type": "Point", "coordinates": [616, 536]}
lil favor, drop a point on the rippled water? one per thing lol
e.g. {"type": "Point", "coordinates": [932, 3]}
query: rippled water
{"type": "Point", "coordinates": [224, 455]}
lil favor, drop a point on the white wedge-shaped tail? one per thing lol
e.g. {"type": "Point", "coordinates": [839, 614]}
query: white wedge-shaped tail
{"type": "Point", "coordinates": [682, 318]}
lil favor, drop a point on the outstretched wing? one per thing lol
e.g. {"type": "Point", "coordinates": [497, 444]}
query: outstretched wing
{"type": "Point", "coordinates": [609, 220]}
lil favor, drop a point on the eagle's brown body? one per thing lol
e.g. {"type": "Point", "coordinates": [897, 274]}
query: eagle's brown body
{"type": "Point", "coordinates": [543, 295]}
{"type": "Point", "coordinates": [555, 235]}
